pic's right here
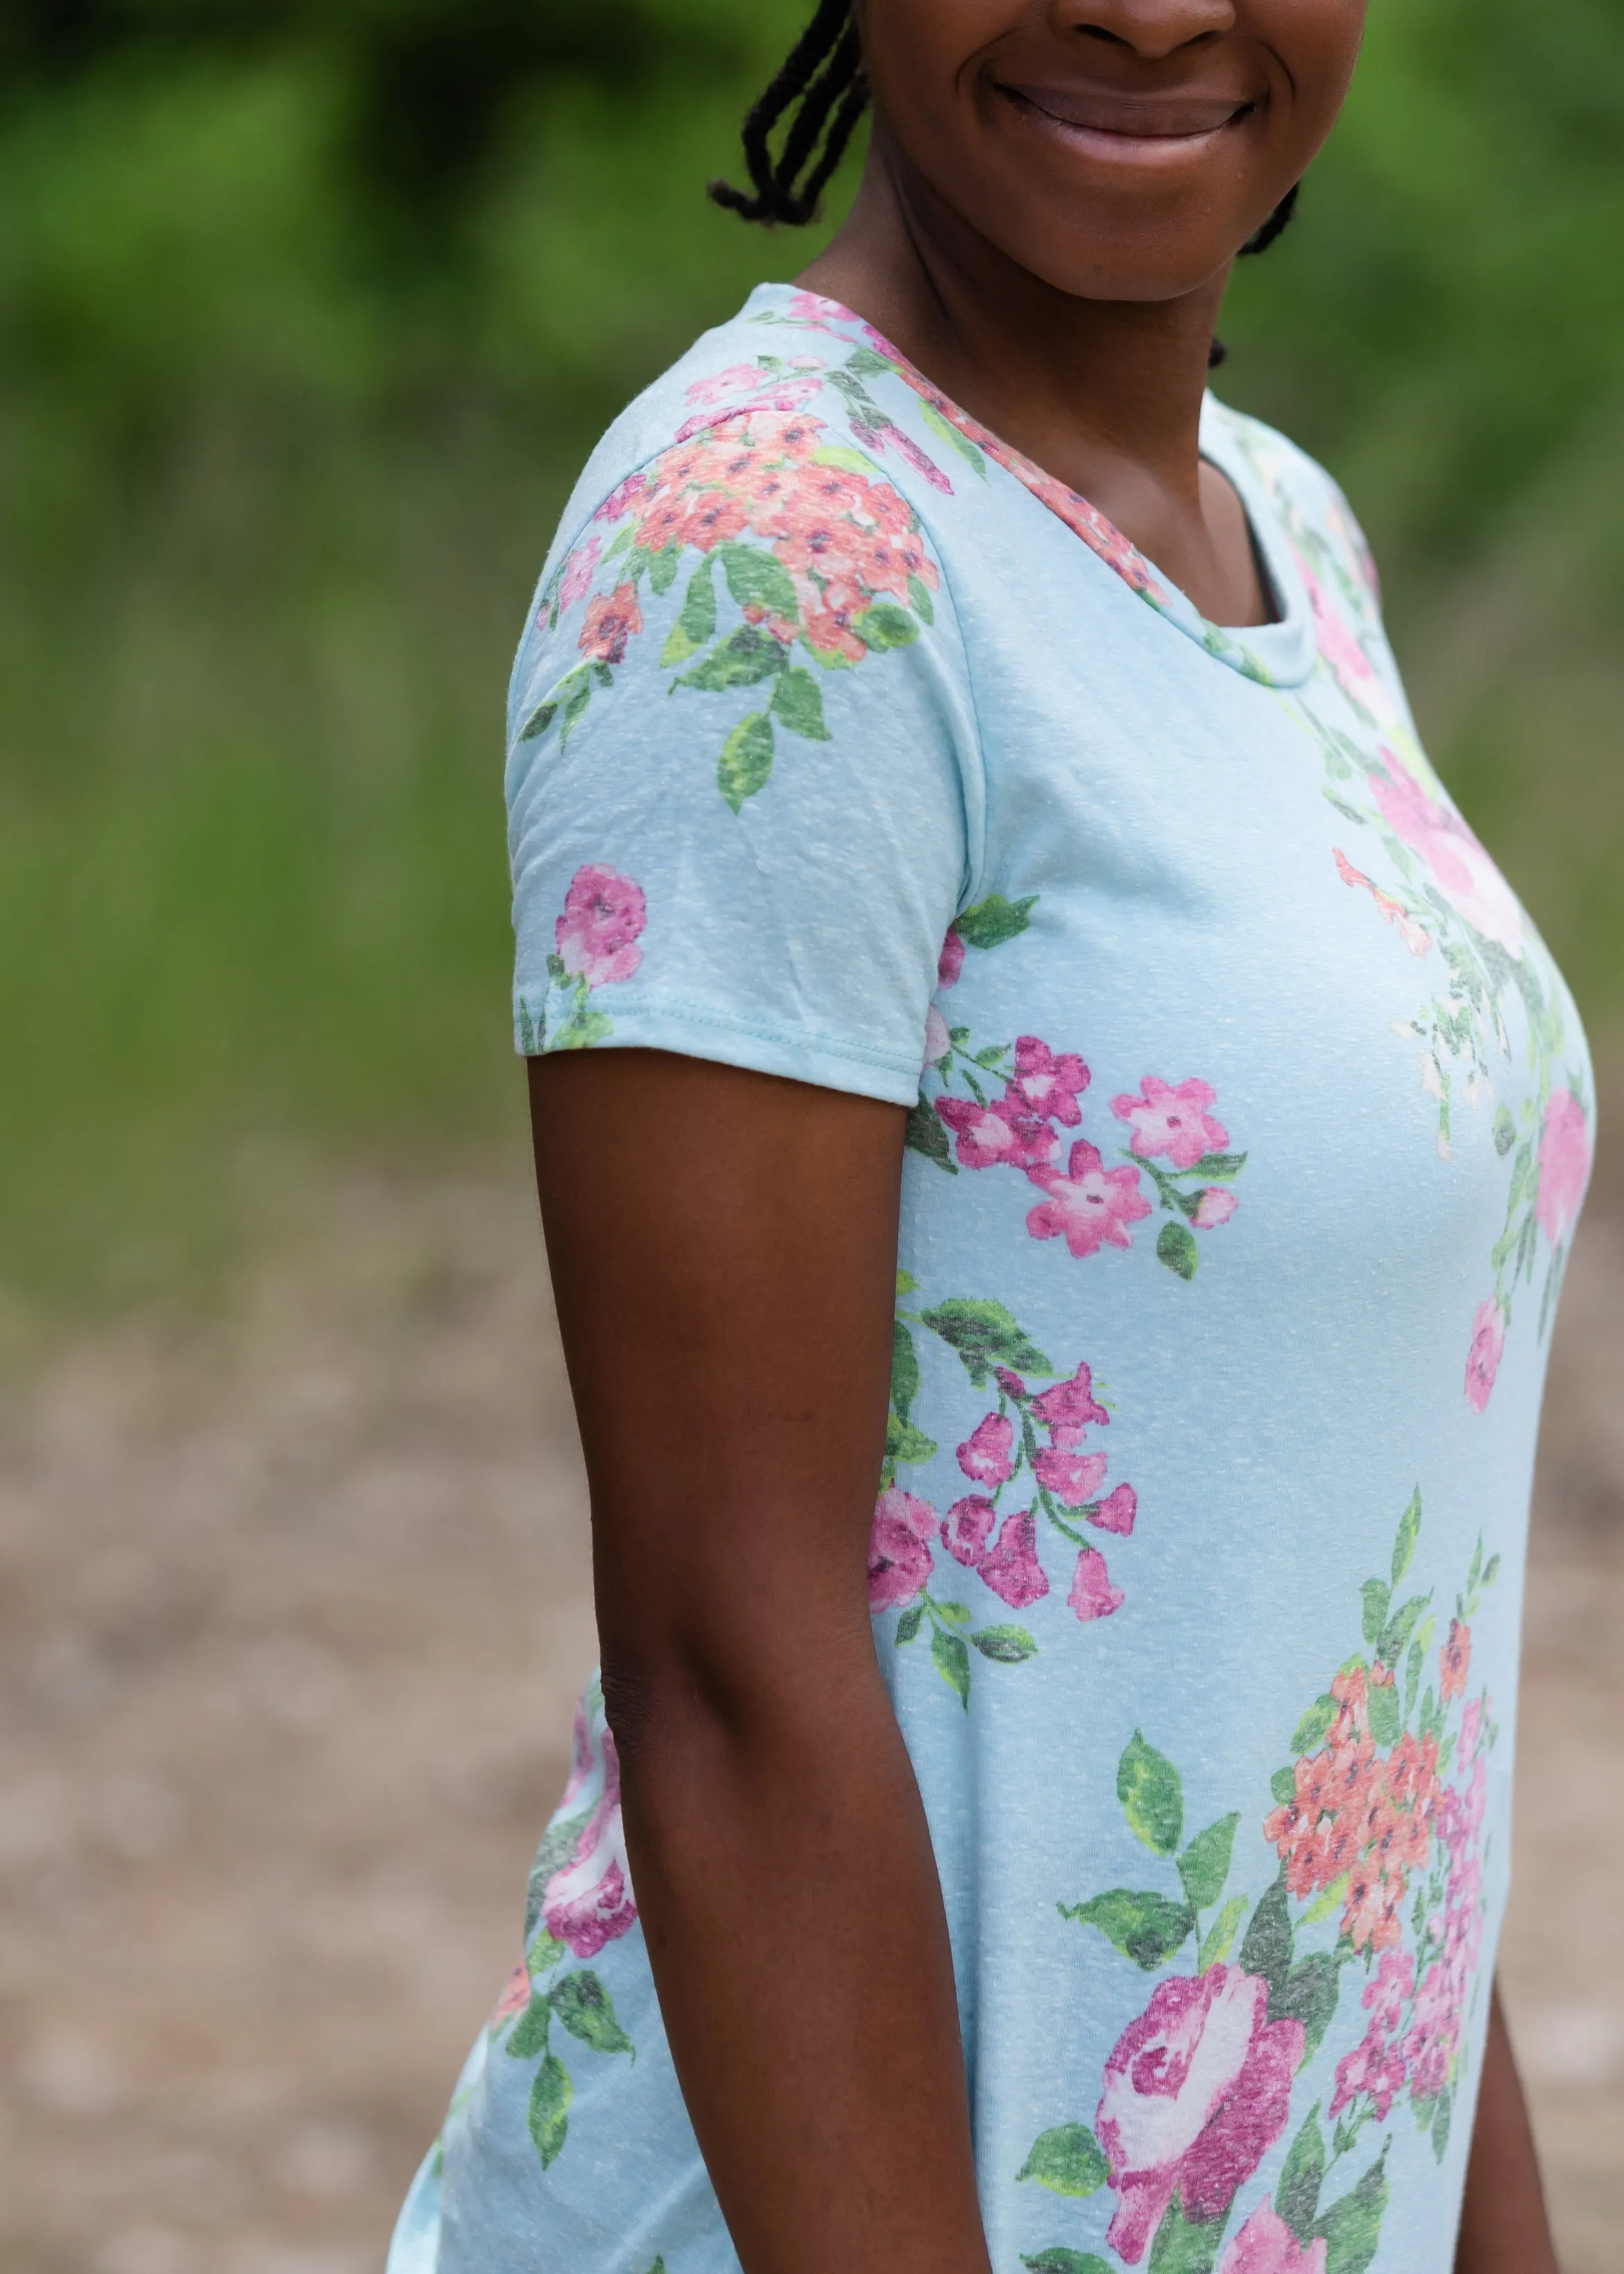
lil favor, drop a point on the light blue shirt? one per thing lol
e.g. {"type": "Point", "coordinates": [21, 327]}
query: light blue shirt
{"type": "Point", "coordinates": [1252, 1124]}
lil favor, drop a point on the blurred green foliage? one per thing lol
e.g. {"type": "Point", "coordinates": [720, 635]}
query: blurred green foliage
{"type": "Point", "coordinates": [309, 309]}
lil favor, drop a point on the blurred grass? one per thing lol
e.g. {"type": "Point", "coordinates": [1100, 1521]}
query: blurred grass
{"type": "Point", "coordinates": [279, 460]}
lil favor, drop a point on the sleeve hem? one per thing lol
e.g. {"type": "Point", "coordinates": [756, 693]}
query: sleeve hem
{"type": "Point", "coordinates": [692, 1032]}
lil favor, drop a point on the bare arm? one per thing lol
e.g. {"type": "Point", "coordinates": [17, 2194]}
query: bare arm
{"type": "Point", "coordinates": [1503, 2225]}
{"type": "Point", "coordinates": [723, 1248]}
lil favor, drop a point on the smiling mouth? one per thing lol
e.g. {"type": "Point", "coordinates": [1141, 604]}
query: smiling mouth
{"type": "Point", "coordinates": [1126, 126]}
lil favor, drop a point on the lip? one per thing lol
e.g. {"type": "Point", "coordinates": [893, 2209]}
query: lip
{"type": "Point", "coordinates": [1132, 129]}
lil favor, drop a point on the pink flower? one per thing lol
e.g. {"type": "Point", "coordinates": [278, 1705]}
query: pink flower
{"type": "Point", "coordinates": [620, 502]}
{"type": "Point", "coordinates": [984, 1457]}
{"type": "Point", "coordinates": [612, 619]}
{"type": "Point", "coordinates": [1067, 1408]}
{"type": "Point", "coordinates": [990, 1136]}
{"type": "Point", "coordinates": [1216, 1205]}
{"type": "Point", "coordinates": [967, 1527]}
{"type": "Point", "coordinates": [1088, 1206]}
{"type": "Point", "coordinates": [588, 1902]}
{"type": "Point", "coordinates": [952, 960]}
{"type": "Point", "coordinates": [938, 1042]}
{"type": "Point", "coordinates": [1012, 1569]}
{"type": "Point", "coordinates": [1337, 644]}
{"type": "Point", "coordinates": [1197, 2091]}
{"type": "Point", "coordinates": [1118, 1511]}
{"type": "Point", "coordinates": [1092, 1595]}
{"type": "Point", "coordinates": [738, 379]}
{"type": "Point", "coordinates": [1046, 1084]}
{"type": "Point", "coordinates": [1172, 1118]}
{"type": "Point", "coordinates": [579, 572]}
{"type": "Point", "coordinates": [1471, 1729]}
{"type": "Point", "coordinates": [1266, 2244]}
{"type": "Point", "coordinates": [1488, 1346]}
{"type": "Point", "coordinates": [1463, 871]}
{"type": "Point", "coordinates": [1376, 2065]}
{"type": "Point", "coordinates": [1074, 1478]}
{"type": "Point", "coordinates": [1564, 1165]}
{"type": "Point", "coordinates": [604, 918]}
{"type": "Point", "coordinates": [900, 1558]}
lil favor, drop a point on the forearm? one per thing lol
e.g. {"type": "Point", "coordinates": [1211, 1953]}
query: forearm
{"type": "Point", "coordinates": [794, 1923]}
{"type": "Point", "coordinates": [1503, 2225]}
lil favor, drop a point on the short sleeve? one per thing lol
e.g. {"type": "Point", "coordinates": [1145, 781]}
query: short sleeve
{"type": "Point", "coordinates": [743, 778]}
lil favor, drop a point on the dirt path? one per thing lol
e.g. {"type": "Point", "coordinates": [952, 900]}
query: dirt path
{"type": "Point", "coordinates": [279, 1601]}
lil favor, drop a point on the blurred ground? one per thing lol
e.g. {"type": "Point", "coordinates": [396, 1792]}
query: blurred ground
{"type": "Point", "coordinates": [292, 1607]}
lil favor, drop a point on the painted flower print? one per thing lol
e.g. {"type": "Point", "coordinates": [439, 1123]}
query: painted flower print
{"type": "Point", "coordinates": [1565, 1156]}
{"type": "Point", "coordinates": [1087, 1202]}
{"type": "Point", "coordinates": [1376, 1831]}
{"type": "Point", "coordinates": [596, 945]}
{"type": "Point", "coordinates": [580, 1901]}
{"type": "Point", "coordinates": [815, 551]}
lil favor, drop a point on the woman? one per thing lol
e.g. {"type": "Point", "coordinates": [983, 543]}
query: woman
{"type": "Point", "coordinates": [1092, 1855]}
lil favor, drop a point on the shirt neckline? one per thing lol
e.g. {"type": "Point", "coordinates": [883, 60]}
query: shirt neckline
{"type": "Point", "coordinates": [1279, 654]}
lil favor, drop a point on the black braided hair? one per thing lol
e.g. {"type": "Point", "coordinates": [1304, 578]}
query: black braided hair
{"type": "Point", "coordinates": [823, 83]}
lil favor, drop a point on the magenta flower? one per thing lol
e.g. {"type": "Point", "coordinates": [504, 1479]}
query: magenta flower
{"type": "Point", "coordinates": [1074, 1478]}
{"type": "Point", "coordinates": [1118, 1511]}
{"type": "Point", "coordinates": [620, 502]}
{"type": "Point", "coordinates": [589, 1901]}
{"type": "Point", "coordinates": [967, 1527]}
{"type": "Point", "coordinates": [1171, 1117]}
{"type": "Point", "coordinates": [952, 960]}
{"type": "Point", "coordinates": [1197, 2091]}
{"type": "Point", "coordinates": [1092, 1595]}
{"type": "Point", "coordinates": [1488, 1347]}
{"type": "Point", "coordinates": [1067, 1408]}
{"type": "Point", "coordinates": [900, 1558]}
{"type": "Point", "coordinates": [984, 1457]}
{"type": "Point", "coordinates": [1047, 1085]}
{"type": "Point", "coordinates": [1266, 2244]}
{"type": "Point", "coordinates": [604, 918]}
{"type": "Point", "coordinates": [1012, 1569]}
{"type": "Point", "coordinates": [1564, 1165]}
{"type": "Point", "coordinates": [1088, 1206]}
{"type": "Point", "coordinates": [1000, 1135]}
{"type": "Point", "coordinates": [1216, 1206]}
{"type": "Point", "coordinates": [579, 572]}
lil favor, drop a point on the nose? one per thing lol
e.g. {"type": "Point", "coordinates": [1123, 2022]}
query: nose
{"type": "Point", "coordinates": [1152, 29]}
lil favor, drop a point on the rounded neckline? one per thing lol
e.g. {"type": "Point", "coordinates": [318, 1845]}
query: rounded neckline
{"type": "Point", "coordinates": [1279, 654]}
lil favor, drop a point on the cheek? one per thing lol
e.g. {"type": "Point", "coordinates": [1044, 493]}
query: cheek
{"type": "Point", "coordinates": [1317, 43]}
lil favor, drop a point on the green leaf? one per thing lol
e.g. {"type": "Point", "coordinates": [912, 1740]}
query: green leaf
{"type": "Point", "coordinates": [1282, 1784]}
{"type": "Point", "coordinates": [918, 594]}
{"type": "Point", "coordinates": [1204, 1865]}
{"type": "Point", "coordinates": [908, 1625]}
{"type": "Point", "coordinates": [1440, 2123]}
{"type": "Point", "coordinates": [540, 718]}
{"type": "Point", "coordinates": [745, 657]}
{"type": "Point", "coordinates": [1395, 1635]}
{"type": "Point", "coordinates": [1219, 1164]}
{"type": "Point", "coordinates": [1505, 1133]}
{"type": "Point", "coordinates": [529, 2035]}
{"type": "Point", "coordinates": [1145, 1927]}
{"type": "Point", "coordinates": [946, 432]}
{"type": "Point", "coordinates": [1177, 1248]}
{"type": "Point", "coordinates": [1220, 1935]}
{"type": "Point", "coordinates": [1006, 1645]}
{"type": "Point", "coordinates": [1060, 2260]}
{"type": "Point", "coordinates": [663, 568]}
{"type": "Point", "coordinates": [925, 1134]}
{"type": "Point", "coordinates": [903, 1365]}
{"type": "Point", "coordinates": [1152, 1795]}
{"type": "Point", "coordinates": [549, 2113]}
{"type": "Point", "coordinates": [994, 920]}
{"type": "Point", "coordinates": [1067, 2161]}
{"type": "Point", "coordinates": [952, 1662]}
{"type": "Point", "coordinates": [798, 700]}
{"type": "Point", "coordinates": [1490, 1572]}
{"type": "Point", "coordinates": [1352, 2226]}
{"type": "Point", "coordinates": [1310, 1733]}
{"type": "Point", "coordinates": [1377, 1595]}
{"type": "Point", "coordinates": [984, 1334]}
{"type": "Point", "coordinates": [907, 1284]}
{"type": "Point", "coordinates": [1409, 1530]}
{"type": "Point", "coordinates": [1268, 1949]}
{"type": "Point", "coordinates": [904, 1442]}
{"type": "Point", "coordinates": [545, 1953]}
{"type": "Point", "coordinates": [1309, 1995]}
{"type": "Point", "coordinates": [745, 761]}
{"type": "Point", "coordinates": [885, 626]}
{"type": "Point", "coordinates": [1386, 1715]}
{"type": "Point", "coordinates": [1332, 1900]}
{"type": "Point", "coordinates": [587, 2011]}
{"type": "Point", "coordinates": [956, 1612]}
{"type": "Point", "coordinates": [867, 364]}
{"type": "Point", "coordinates": [1181, 2248]}
{"type": "Point", "coordinates": [757, 581]}
{"type": "Point", "coordinates": [1297, 2196]}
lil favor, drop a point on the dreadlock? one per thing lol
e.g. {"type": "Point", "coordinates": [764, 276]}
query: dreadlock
{"type": "Point", "coordinates": [824, 85]}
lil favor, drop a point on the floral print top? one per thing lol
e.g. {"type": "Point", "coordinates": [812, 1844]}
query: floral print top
{"type": "Point", "coordinates": [1248, 1123]}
